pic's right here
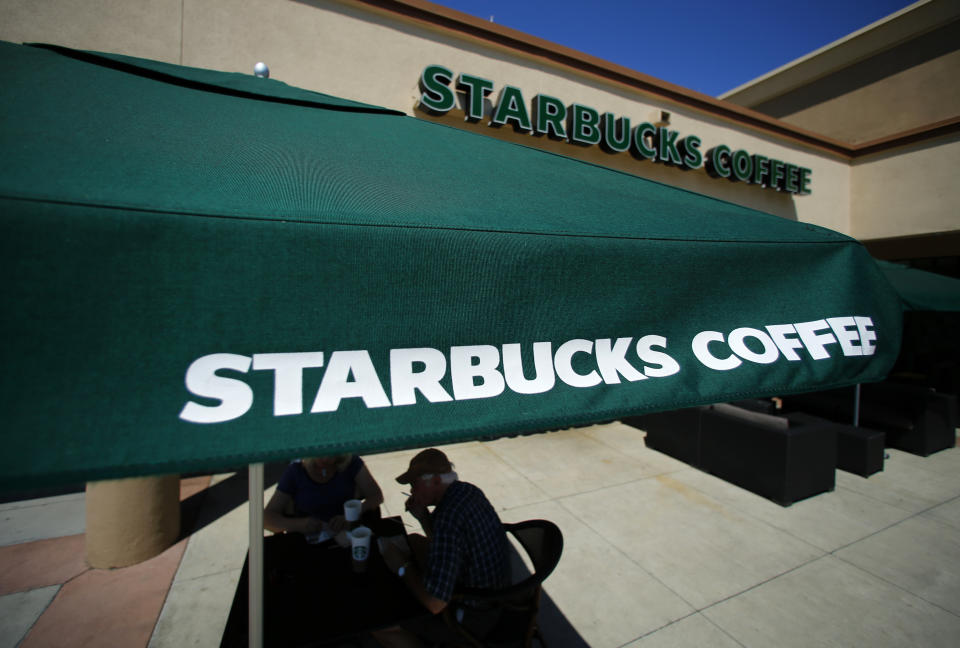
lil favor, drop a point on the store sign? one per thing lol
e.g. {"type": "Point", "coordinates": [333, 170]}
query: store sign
{"type": "Point", "coordinates": [585, 126]}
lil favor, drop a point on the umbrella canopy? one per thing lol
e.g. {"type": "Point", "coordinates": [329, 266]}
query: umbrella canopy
{"type": "Point", "coordinates": [920, 290]}
{"type": "Point", "coordinates": [204, 269]}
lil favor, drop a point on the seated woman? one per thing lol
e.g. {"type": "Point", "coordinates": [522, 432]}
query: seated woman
{"type": "Point", "coordinates": [310, 495]}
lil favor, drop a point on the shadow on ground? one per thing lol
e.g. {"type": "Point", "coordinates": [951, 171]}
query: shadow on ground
{"type": "Point", "coordinates": [209, 505]}
{"type": "Point", "coordinates": [36, 493]}
{"type": "Point", "coordinates": [215, 501]}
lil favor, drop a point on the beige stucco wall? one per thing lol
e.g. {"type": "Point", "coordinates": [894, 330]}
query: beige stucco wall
{"type": "Point", "coordinates": [826, 206]}
{"type": "Point", "coordinates": [148, 29]}
{"type": "Point", "coordinates": [350, 50]}
{"type": "Point", "coordinates": [911, 190]}
{"type": "Point", "coordinates": [906, 87]}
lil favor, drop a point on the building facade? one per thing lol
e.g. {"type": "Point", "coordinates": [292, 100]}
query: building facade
{"type": "Point", "coordinates": [862, 136]}
{"type": "Point", "coordinates": [890, 91]}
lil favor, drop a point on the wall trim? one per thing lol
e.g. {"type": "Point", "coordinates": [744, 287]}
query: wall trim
{"type": "Point", "coordinates": [465, 25]}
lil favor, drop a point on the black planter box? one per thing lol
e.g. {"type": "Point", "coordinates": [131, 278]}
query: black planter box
{"type": "Point", "coordinates": [913, 418]}
{"type": "Point", "coordinates": [782, 459]}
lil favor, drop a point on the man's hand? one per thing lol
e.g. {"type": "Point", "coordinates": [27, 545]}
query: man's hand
{"type": "Point", "coordinates": [416, 509]}
{"type": "Point", "coordinates": [393, 557]}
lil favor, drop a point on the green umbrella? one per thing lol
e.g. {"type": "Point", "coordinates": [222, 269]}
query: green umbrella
{"type": "Point", "coordinates": [204, 270]}
{"type": "Point", "coordinates": [920, 290]}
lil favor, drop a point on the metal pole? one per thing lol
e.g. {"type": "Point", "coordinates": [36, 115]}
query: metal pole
{"type": "Point", "coordinates": [255, 556]}
{"type": "Point", "coordinates": [856, 406]}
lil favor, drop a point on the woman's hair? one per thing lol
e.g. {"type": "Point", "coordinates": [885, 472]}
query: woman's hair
{"type": "Point", "coordinates": [341, 461]}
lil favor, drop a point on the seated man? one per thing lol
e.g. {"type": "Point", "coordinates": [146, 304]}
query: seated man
{"type": "Point", "coordinates": [465, 546]}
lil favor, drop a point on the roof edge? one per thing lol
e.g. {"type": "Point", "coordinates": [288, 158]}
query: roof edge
{"type": "Point", "coordinates": [901, 26]}
{"type": "Point", "coordinates": [910, 136]}
{"type": "Point", "coordinates": [466, 25]}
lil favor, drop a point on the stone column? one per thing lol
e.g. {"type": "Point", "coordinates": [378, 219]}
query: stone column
{"type": "Point", "coordinates": [131, 520]}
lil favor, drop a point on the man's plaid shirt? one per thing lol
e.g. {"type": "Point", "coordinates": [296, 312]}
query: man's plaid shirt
{"type": "Point", "coordinates": [469, 547]}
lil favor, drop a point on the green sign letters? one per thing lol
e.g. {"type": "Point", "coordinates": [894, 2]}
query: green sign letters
{"type": "Point", "coordinates": [585, 126]}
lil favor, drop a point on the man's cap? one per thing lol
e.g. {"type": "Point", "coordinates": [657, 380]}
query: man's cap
{"type": "Point", "coordinates": [429, 461]}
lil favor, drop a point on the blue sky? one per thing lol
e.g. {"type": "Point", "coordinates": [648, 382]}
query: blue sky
{"type": "Point", "coordinates": [707, 46]}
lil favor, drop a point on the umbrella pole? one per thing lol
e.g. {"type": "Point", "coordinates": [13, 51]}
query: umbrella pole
{"type": "Point", "coordinates": [856, 406]}
{"type": "Point", "coordinates": [255, 562]}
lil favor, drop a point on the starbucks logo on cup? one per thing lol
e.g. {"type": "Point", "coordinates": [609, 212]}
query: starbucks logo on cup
{"type": "Point", "coordinates": [360, 543]}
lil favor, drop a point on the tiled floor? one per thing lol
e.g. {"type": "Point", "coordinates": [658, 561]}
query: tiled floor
{"type": "Point", "coordinates": [655, 554]}
{"type": "Point", "coordinates": [50, 597]}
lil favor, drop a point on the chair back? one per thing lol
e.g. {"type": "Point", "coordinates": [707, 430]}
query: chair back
{"type": "Point", "coordinates": [520, 602]}
{"type": "Point", "coordinates": [543, 542]}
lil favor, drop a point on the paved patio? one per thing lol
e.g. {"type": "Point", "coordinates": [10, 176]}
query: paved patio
{"type": "Point", "coordinates": [656, 553]}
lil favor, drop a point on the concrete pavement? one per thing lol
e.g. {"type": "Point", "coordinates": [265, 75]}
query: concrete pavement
{"type": "Point", "coordinates": [656, 553]}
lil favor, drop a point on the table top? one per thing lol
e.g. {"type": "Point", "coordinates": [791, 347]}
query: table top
{"type": "Point", "coordinates": [312, 596]}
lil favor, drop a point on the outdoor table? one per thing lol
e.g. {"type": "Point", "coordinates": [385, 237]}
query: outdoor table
{"type": "Point", "coordinates": [312, 597]}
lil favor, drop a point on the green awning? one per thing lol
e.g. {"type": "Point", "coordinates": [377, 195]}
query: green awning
{"type": "Point", "coordinates": [203, 270]}
{"type": "Point", "coordinates": [920, 290]}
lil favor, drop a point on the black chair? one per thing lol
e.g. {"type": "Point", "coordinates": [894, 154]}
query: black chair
{"type": "Point", "coordinates": [519, 603]}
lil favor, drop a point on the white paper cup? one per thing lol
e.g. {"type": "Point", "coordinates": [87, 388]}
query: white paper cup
{"type": "Point", "coordinates": [360, 547]}
{"type": "Point", "coordinates": [351, 510]}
